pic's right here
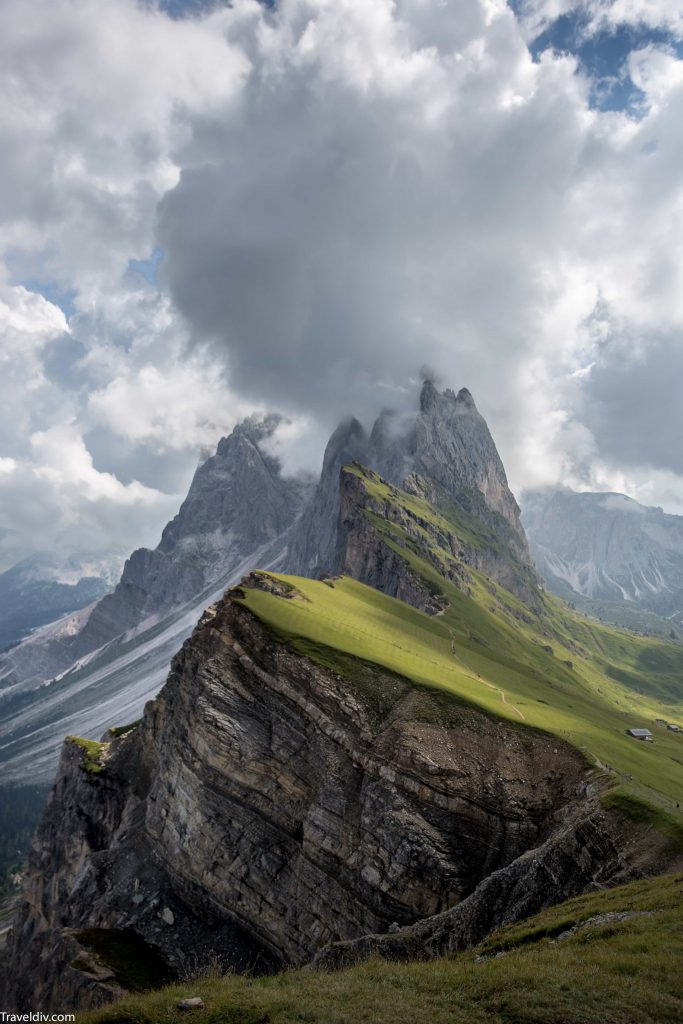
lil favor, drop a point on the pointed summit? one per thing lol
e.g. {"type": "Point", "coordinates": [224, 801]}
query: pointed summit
{"type": "Point", "coordinates": [456, 455]}
{"type": "Point", "coordinates": [446, 450]}
{"type": "Point", "coordinates": [347, 442]}
{"type": "Point", "coordinates": [237, 503]}
{"type": "Point", "coordinates": [429, 396]}
{"type": "Point", "coordinates": [463, 398]}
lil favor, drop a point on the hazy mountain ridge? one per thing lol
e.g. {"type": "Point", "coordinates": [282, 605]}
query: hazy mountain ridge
{"type": "Point", "coordinates": [44, 586]}
{"type": "Point", "coordinates": [607, 547]}
{"type": "Point", "coordinates": [237, 502]}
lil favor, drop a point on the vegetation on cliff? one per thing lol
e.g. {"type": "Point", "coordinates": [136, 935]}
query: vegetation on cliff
{"type": "Point", "coordinates": [92, 753]}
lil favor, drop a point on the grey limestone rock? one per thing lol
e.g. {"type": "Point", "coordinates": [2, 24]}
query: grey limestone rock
{"type": "Point", "coordinates": [607, 547]}
{"type": "Point", "coordinates": [272, 807]}
{"type": "Point", "coordinates": [448, 448]}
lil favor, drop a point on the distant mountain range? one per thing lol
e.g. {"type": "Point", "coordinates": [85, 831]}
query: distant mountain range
{"type": "Point", "coordinates": [44, 587]}
{"type": "Point", "coordinates": [607, 553]}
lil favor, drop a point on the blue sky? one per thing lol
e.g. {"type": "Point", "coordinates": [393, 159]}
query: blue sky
{"type": "Point", "coordinates": [602, 53]}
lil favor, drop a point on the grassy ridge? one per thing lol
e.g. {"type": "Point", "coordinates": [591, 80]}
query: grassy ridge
{"type": "Point", "coordinates": [478, 657]}
{"type": "Point", "coordinates": [551, 669]}
{"type": "Point", "coordinates": [611, 970]}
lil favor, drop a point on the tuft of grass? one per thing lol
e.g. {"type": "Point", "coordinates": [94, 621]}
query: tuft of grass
{"type": "Point", "coordinates": [92, 753]}
{"type": "Point", "coordinates": [615, 972]}
{"type": "Point", "coordinates": [122, 730]}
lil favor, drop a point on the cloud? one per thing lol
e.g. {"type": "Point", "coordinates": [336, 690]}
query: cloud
{"type": "Point", "coordinates": [602, 15]}
{"type": "Point", "coordinates": [100, 436]}
{"type": "Point", "coordinates": [403, 185]}
{"type": "Point", "coordinates": [337, 193]}
{"type": "Point", "coordinates": [383, 202]}
{"type": "Point", "coordinates": [61, 501]}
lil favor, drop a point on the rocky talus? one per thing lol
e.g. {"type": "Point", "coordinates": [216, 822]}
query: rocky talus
{"type": "Point", "coordinates": [267, 807]}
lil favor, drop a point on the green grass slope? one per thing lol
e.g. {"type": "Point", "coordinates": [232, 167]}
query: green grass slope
{"type": "Point", "coordinates": [619, 964]}
{"type": "Point", "coordinates": [551, 669]}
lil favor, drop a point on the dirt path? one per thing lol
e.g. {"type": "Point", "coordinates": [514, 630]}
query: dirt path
{"type": "Point", "coordinates": [476, 675]}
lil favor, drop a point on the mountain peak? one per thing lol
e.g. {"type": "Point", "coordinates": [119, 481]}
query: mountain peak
{"type": "Point", "coordinates": [429, 396]}
{"type": "Point", "coordinates": [253, 428]}
{"type": "Point", "coordinates": [464, 399]}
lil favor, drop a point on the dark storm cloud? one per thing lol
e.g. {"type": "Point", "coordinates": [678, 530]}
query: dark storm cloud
{"type": "Point", "coordinates": [343, 230]}
{"type": "Point", "coordinates": [396, 188]}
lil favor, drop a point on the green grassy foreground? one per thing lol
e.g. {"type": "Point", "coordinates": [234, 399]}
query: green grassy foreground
{"type": "Point", "coordinates": [610, 971]}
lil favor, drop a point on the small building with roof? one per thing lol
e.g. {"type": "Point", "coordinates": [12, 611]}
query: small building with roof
{"type": "Point", "coordinates": [640, 734]}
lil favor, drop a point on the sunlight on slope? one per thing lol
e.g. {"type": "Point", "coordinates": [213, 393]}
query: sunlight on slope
{"type": "Point", "coordinates": [491, 657]}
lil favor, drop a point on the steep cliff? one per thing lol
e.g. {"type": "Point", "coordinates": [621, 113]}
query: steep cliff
{"type": "Point", "coordinates": [445, 455]}
{"type": "Point", "coordinates": [279, 796]}
{"type": "Point", "coordinates": [381, 528]}
{"type": "Point", "coordinates": [313, 540]}
{"type": "Point", "coordinates": [98, 666]}
{"type": "Point", "coordinates": [104, 661]}
{"type": "Point", "coordinates": [330, 772]}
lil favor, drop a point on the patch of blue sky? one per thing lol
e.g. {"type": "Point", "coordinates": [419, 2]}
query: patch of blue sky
{"type": "Point", "coordinates": [602, 55]}
{"type": "Point", "coordinates": [149, 268]}
{"type": "Point", "coordinates": [27, 270]}
{"type": "Point", "coordinates": [65, 298]}
{"type": "Point", "coordinates": [193, 8]}
{"type": "Point", "coordinates": [186, 8]}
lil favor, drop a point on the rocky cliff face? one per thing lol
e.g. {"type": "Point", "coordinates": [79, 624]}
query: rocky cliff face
{"type": "Point", "coordinates": [267, 806]}
{"type": "Point", "coordinates": [456, 455]}
{"type": "Point", "coordinates": [363, 552]}
{"type": "Point", "coordinates": [103, 662]}
{"type": "Point", "coordinates": [237, 502]}
{"type": "Point", "coordinates": [446, 450]}
{"type": "Point", "coordinates": [607, 547]}
{"type": "Point", "coordinates": [591, 848]}
{"type": "Point", "coordinates": [240, 512]}
{"type": "Point", "coordinates": [379, 527]}
{"type": "Point", "coordinates": [314, 538]}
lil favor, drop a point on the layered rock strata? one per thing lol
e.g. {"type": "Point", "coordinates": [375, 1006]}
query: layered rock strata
{"type": "Point", "coordinates": [444, 454]}
{"type": "Point", "coordinates": [377, 533]}
{"type": "Point", "coordinates": [266, 807]}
